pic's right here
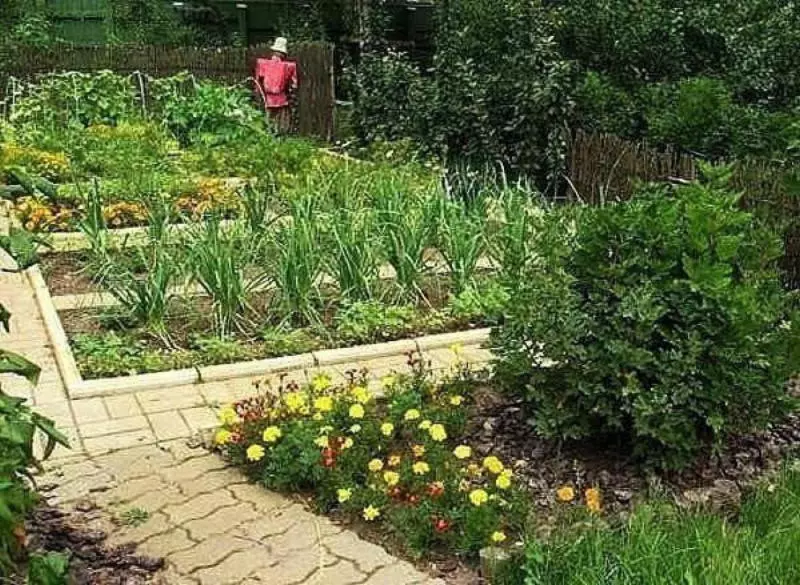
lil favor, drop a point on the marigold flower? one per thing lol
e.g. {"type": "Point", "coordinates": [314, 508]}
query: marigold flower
{"type": "Point", "coordinates": [255, 453]}
{"type": "Point", "coordinates": [421, 468]}
{"type": "Point", "coordinates": [456, 400]}
{"type": "Point", "coordinates": [425, 425]}
{"type": "Point", "coordinates": [437, 432]}
{"type": "Point", "coordinates": [343, 494]}
{"type": "Point", "coordinates": [361, 394]}
{"type": "Point", "coordinates": [375, 465]}
{"type": "Point", "coordinates": [478, 497]}
{"type": "Point", "coordinates": [593, 500]}
{"type": "Point", "coordinates": [391, 478]}
{"type": "Point", "coordinates": [348, 442]}
{"type": "Point", "coordinates": [503, 482]}
{"type": "Point", "coordinates": [493, 464]}
{"type": "Point", "coordinates": [222, 437]}
{"type": "Point", "coordinates": [370, 513]}
{"type": "Point", "coordinates": [271, 434]}
{"type": "Point", "coordinates": [418, 450]}
{"type": "Point", "coordinates": [387, 429]}
{"type": "Point", "coordinates": [321, 382]}
{"type": "Point", "coordinates": [565, 494]}
{"type": "Point", "coordinates": [436, 489]}
{"type": "Point", "coordinates": [441, 525]}
{"type": "Point", "coordinates": [322, 441]}
{"type": "Point", "coordinates": [394, 460]}
{"type": "Point", "coordinates": [498, 537]}
{"type": "Point", "coordinates": [227, 415]}
{"type": "Point", "coordinates": [295, 401]}
{"type": "Point", "coordinates": [411, 414]}
{"type": "Point", "coordinates": [323, 404]}
{"type": "Point", "coordinates": [356, 411]}
{"type": "Point", "coordinates": [462, 452]}
{"type": "Point", "coordinates": [355, 429]}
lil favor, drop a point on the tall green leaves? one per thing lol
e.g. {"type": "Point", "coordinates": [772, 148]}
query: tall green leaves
{"type": "Point", "coordinates": [461, 239]}
{"type": "Point", "coordinates": [353, 256]}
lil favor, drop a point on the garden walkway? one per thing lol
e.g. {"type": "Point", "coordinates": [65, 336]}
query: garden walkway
{"type": "Point", "coordinates": [135, 452]}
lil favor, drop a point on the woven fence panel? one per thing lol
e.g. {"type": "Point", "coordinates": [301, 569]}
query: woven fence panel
{"type": "Point", "coordinates": [230, 64]}
{"type": "Point", "coordinates": [606, 168]}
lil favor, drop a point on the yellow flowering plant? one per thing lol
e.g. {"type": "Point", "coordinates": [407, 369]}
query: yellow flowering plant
{"type": "Point", "coordinates": [397, 461]}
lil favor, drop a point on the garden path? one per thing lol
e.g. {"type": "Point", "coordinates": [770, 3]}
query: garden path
{"type": "Point", "coordinates": [136, 452]}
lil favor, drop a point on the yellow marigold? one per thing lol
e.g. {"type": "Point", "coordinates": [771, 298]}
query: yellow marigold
{"type": "Point", "coordinates": [356, 411]}
{"type": "Point", "coordinates": [255, 453]}
{"type": "Point", "coordinates": [361, 394]}
{"type": "Point", "coordinates": [478, 497]}
{"type": "Point", "coordinates": [565, 494]}
{"type": "Point", "coordinates": [322, 441]}
{"type": "Point", "coordinates": [321, 382]}
{"type": "Point", "coordinates": [348, 442]}
{"type": "Point", "coordinates": [370, 513]}
{"type": "Point", "coordinates": [421, 468]}
{"type": "Point", "coordinates": [394, 460]}
{"type": "Point", "coordinates": [375, 465]}
{"type": "Point", "coordinates": [425, 425]}
{"type": "Point", "coordinates": [227, 415]}
{"type": "Point", "coordinates": [412, 414]}
{"type": "Point", "coordinates": [418, 450]}
{"type": "Point", "coordinates": [388, 381]}
{"type": "Point", "coordinates": [437, 433]}
{"type": "Point", "coordinates": [294, 401]}
{"type": "Point", "coordinates": [493, 464]}
{"type": "Point", "coordinates": [222, 437]}
{"type": "Point", "coordinates": [343, 494]}
{"type": "Point", "coordinates": [462, 452]}
{"type": "Point", "coordinates": [456, 400]}
{"type": "Point", "coordinates": [387, 429]}
{"type": "Point", "coordinates": [391, 478]}
{"type": "Point", "coordinates": [271, 434]}
{"type": "Point", "coordinates": [503, 482]}
{"type": "Point", "coordinates": [593, 500]}
{"type": "Point", "coordinates": [498, 537]}
{"type": "Point", "coordinates": [355, 429]}
{"type": "Point", "coordinates": [323, 404]}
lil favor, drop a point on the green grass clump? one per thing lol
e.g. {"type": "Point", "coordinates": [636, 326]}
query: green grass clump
{"type": "Point", "coordinates": [661, 545]}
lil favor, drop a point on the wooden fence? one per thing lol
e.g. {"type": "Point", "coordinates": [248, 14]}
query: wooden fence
{"type": "Point", "coordinates": [605, 168]}
{"type": "Point", "coordinates": [230, 64]}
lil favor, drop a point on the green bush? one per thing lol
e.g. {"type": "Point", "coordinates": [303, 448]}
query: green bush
{"type": "Point", "coordinates": [664, 316]}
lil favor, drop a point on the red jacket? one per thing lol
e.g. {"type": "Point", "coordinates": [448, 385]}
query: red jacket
{"type": "Point", "coordinates": [276, 78]}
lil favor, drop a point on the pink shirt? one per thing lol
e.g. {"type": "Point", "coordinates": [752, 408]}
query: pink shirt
{"type": "Point", "coordinates": [276, 77]}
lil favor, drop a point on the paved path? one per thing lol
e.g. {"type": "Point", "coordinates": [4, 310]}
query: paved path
{"type": "Point", "coordinates": [129, 452]}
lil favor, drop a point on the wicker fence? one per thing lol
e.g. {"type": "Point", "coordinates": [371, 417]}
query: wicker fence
{"type": "Point", "coordinates": [606, 168]}
{"type": "Point", "coordinates": [230, 64]}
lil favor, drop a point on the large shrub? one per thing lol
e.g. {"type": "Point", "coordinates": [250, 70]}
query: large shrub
{"type": "Point", "coordinates": [664, 317]}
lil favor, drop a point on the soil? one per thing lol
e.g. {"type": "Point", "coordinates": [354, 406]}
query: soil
{"type": "Point", "coordinates": [65, 273]}
{"type": "Point", "coordinates": [500, 426]}
{"type": "Point", "coordinates": [92, 560]}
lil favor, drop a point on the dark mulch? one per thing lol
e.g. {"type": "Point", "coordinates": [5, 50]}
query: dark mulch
{"type": "Point", "coordinates": [92, 560]}
{"type": "Point", "coordinates": [500, 426]}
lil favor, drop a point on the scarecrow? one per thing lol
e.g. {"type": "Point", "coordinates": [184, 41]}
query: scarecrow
{"type": "Point", "coordinates": [277, 78]}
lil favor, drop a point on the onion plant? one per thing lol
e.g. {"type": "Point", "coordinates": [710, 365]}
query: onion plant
{"type": "Point", "coordinates": [217, 258]}
{"type": "Point", "coordinates": [258, 200]}
{"type": "Point", "coordinates": [461, 239]}
{"type": "Point", "coordinates": [406, 226]}
{"type": "Point", "coordinates": [354, 259]}
{"type": "Point", "coordinates": [294, 263]}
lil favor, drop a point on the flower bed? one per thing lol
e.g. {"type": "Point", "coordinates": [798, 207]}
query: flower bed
{"type": "Point", "coordinates": [396, 462]}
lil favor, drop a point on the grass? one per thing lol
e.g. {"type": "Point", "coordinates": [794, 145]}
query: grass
{"type": "Point", "coordinates": [661, 545]}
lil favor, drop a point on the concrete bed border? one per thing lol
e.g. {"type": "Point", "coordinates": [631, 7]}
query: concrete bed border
{"type": "Point", "coordinates": [77, 387]}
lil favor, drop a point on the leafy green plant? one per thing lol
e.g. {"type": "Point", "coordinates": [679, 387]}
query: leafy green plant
{"type": "Point", "coordinates": [373, 321]}
{"type": "Point", "coordinates": [134, 517]}
{"type": "Point", "coordinates": [461, 239]}
{"type": "Point", "coordinates": [661, 320]}
{"type": "Point", "coordinates": [353, 258]}
{"type": "Point", "coordinates": [288, 341]}
{"type": "Point", "coordinates": [51, 568]}
{"type": "Point", "coordinates": [23, 246]}
{"type": "Point", "coordinates": [484, 302]}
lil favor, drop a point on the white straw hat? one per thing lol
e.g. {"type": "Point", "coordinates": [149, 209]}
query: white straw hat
{"type": "Point", "coordinates": [280, 45]}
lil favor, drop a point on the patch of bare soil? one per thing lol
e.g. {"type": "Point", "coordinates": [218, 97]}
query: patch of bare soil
{"type": "Point", "coordinates": [66, 273]}
{"type": "Point", "coordinates": [501, 426]}
{"type": "Point", "coordinates": [92, 560]}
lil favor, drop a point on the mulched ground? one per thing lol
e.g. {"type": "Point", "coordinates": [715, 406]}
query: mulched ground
{"type": "Point", "coordinates": [92, 560]}
{"type": "Point", "coordinates": [500, 426]}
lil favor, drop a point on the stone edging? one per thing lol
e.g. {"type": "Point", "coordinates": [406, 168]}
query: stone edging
{"type": "Point", "coordinates": [77, 387]}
